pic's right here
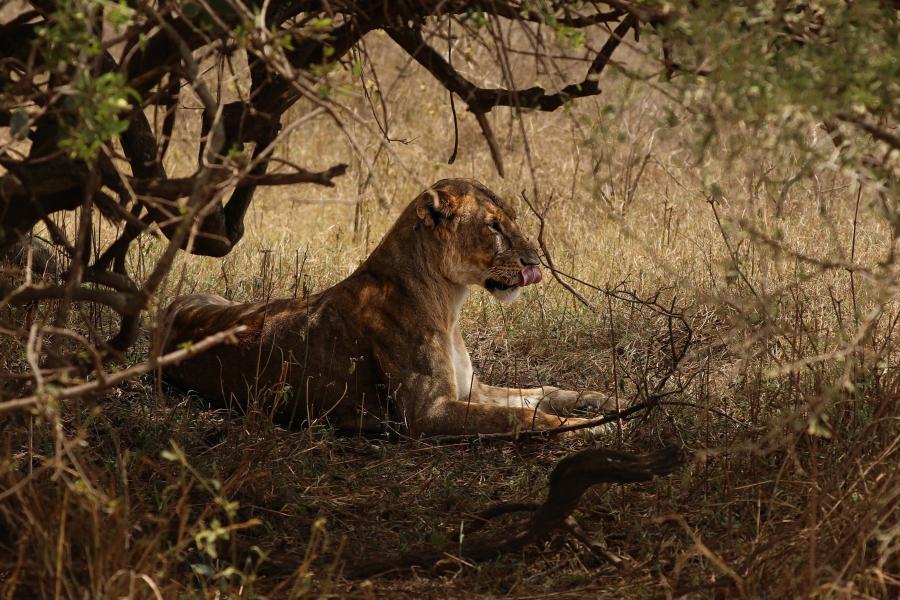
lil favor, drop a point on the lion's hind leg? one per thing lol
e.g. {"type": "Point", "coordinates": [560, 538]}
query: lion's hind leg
{"type": "Point", "coordinates": [193, 313]}
{"type": "Point", "coordinates": [225, 372]}
{"type": "Point", "coordinates": [195, 316]}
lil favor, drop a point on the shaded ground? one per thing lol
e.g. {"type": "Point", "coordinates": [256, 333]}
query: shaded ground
{"type": "Point", "coordinates": [367, 498]}
{"type": "Point", "coordinates": [156, 488]}
{"type": "Point", "coordinates": [307, 504]}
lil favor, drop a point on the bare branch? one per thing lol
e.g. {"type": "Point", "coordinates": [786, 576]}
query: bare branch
{"type": "Point", "coordinates": [119, 302]}
{"type": "Point", "coordinates": [875, 131]}
{"type": "Point", "coordinates": [171, 189]}
{"type": "Point", "coordinates": [112, 379]}
{"type": "Point", "coordinates": [480, 100]}
{"type": "Point", "coordinates": [549, 257]}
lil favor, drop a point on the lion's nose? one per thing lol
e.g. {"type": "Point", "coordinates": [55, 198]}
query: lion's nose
{"type": "Point", "coordinates": [530, 260]}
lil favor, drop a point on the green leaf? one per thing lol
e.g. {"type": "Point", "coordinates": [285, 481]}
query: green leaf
{"type": "Point", "coordinates": [321, 24]}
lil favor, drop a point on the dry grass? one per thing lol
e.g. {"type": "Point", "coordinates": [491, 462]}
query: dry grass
{"type": "Point", "coordinates": [795, 491]}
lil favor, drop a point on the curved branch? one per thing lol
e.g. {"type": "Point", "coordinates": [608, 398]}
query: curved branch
{"type": "Point", "coordinates": [569, 480]}
{"type": "Point", "coordinates": [480, 100]}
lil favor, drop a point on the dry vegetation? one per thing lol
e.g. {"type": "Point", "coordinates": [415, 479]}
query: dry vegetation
{"type": "Point", "coordinates": [787, 395]}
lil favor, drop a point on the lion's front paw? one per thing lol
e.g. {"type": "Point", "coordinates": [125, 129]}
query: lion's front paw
{"type": "Point", "coordinates": [592, 399]}
{"type": "Point", "coordinates": [586, 433]}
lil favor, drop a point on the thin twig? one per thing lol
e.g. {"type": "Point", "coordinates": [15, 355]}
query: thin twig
{"type": "Point", "coordinates": [548, 258]}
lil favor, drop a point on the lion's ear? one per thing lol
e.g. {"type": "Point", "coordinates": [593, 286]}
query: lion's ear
{"type": "Point", "coordinates": [435, 206]}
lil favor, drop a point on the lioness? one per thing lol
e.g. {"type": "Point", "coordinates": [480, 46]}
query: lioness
{"type": "Point", "coordinates": [384, 344]}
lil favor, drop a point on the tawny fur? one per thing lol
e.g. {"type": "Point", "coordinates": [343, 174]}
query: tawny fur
{"type": "Point", "coordinates": [383, 345]}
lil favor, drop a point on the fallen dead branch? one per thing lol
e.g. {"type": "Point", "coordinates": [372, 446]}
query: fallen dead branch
{"type": "Point", "coordinates": [569, 480]}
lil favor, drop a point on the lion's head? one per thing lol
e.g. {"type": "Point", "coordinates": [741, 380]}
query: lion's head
{"type": "Point", "coordinates": [481, 243]}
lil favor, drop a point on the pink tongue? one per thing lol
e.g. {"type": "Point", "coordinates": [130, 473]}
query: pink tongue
{"type": "Point", "coordinates": [530, 274]}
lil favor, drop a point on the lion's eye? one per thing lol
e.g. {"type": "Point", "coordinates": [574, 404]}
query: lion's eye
{"type": "Point", "coordinates": [495, 225]}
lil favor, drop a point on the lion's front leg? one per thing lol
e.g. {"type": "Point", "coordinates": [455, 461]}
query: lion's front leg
{"type": "Point", "coordinates": [548, 399]}
{"type": "Point", "coordinates": [434, 398]}
{"type": "Point", "coordinates": [430, 404]}
{"type": "Point", "coordinates": [448, 416]}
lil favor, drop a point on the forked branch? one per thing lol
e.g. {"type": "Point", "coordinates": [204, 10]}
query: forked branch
{"type": "Point", "coordinates": [481, 100]}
